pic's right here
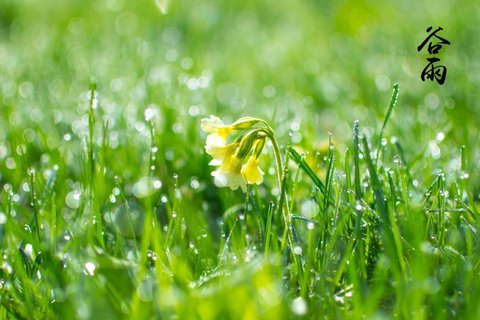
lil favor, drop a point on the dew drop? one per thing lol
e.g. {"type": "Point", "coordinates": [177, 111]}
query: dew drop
{"type": "Point", "coordinates": [164, 199]}
{"type": "Point", "coordinates": [195, 184]}
{"type": "Point", "coordinates": [3, 218]}
{"type": "Point", "coordinates": [464, 175]}
{"type": "Point", "coordinates": [72, 199]}
{"type": "Point", "coordinates": [157, 184]}
{"type": "Point", "coordinates": [359, 207]}
{"type": "Point", "coordinates": [89, 269]}
{"type": "Point", "coordinates": [299, 306]}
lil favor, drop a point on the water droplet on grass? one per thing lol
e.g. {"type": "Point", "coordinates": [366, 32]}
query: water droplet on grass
{"type": "Point", "coordinates": [26, 187]}
{"type": "Point", "coordinates": [275, 191]}
{"type": "Point", "coordinates": [3, 218]}
{"type": "Point", "coordinates": [29, 250]}
{"type": "Point", "coordinates": [150, 113]}
{"type": "Point", "coordinates": [194, 183]}
{"type": "Point", "coordinates": [464, 175]}
{"type": "Point", "coordinates": [89, 269]}
{"type": "Point", "coordinates": [434, 149]}
{"type": "Point", "coordinates": [440, 136]}
{"type": "Point", "coordinates": [299, 306]}
{"type": "Point", "coordinates": [7, 267]}
{"type": "Point", "coordinates": [72, 199]}
{"type": "Point", "coordinates": [358, 207]}
{"type": "Point", "coordinates": [297, 250]}
{"type": "Point", "coordinates": [157, 184]}
{"type": "Point", "coordinates": [10, 163]}
{"type": "Point", "coordinates": [142, 188]}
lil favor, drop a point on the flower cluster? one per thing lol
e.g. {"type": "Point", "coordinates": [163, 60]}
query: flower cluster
{"type": "Point", "coordinates": [236, 161]}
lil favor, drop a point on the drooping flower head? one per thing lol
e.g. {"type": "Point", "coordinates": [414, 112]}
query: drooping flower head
{"type": "Point", "coordinates": [237, 161]}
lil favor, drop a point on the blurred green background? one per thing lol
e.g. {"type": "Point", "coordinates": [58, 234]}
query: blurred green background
{"type": "Point", "coordinates": [323, 63]}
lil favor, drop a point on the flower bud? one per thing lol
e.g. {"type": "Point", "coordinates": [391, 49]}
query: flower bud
{"type": "Point", "coordinates": [245, 123]}
{"type": "Point", "coordinates": [246, 144]}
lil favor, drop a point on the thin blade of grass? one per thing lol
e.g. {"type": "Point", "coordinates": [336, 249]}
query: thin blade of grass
{"type": "Point", "coordinates": [356, 160]}
{"type": "Point", "coordinates": [330, 171]}
{"type": "Point", "coordinates": [306, 168]}
{"type": "Point", "coordinates": [393, 102]}
{"type": "Point", "coordinates": [381, 206]}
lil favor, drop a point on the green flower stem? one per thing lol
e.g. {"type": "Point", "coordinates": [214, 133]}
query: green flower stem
{"type": "Point", "coordinates": [281, 175]}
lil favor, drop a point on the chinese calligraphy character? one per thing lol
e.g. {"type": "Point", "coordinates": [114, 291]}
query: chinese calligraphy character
{"type": "Point", "coordinates": [432, 72]}
{"type": "Point", "coordinates": [433, 48]}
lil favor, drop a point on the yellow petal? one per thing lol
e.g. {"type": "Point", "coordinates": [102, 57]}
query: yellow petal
{"type": "Point", "coordinates": [229, 173]}
{"type": "Point", "coordinates": [220, 152]}
{"type": "Point", "coordinates": [214, 141]}
{"type": "Point", "coordinates": [251, 172]}
{"type": "Point", "coordinates": [232, 164]}
{"type": "Point", "coordinates": [228, 179]}
{"type": "Point", "coordinates": [224, 131]}
{"type": "Point", "coordinates": [211, 124]}
{"type": "Point", "coordinates": [215, 126]}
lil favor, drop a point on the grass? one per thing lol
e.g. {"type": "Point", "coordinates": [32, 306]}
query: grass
{"type": "Point", "coordinates": [107, 205]}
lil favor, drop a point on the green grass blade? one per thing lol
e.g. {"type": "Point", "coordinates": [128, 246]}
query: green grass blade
{"type": "Point", "coordinates": [381, 206]}
{"type": "Point", "coordinates": [393, 102]}
{"type": "Point", "coordinates": [356, 160]}
{"type": "Point", "coordinates": [306, 168]}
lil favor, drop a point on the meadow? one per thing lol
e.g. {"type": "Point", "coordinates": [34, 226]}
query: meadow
{"type": "Point", "coordinates": [365, 202]}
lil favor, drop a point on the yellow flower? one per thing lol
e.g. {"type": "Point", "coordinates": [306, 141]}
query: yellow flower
{"type": "Point", "coordinates": [228, 174]}
{"type": "Point", "coordinates": [251, 172]}
{"type": "Point", "coordinates": [229, 158]}
{"type": "Point", "coordinates": [219, 152]}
